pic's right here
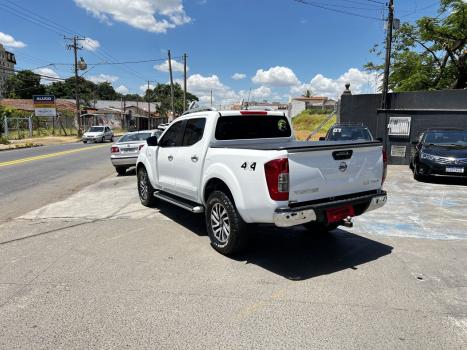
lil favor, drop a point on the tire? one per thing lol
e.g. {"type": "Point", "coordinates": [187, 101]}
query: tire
{"type": "Point", "coordinates": [85, 141]}
{"type": "Point", "coordinates": [226, 229]}
{"type": "Point", "coordinates": [145, 189]}
{"type": "Point", "coordinates": [121, 170]}
{"type": "Point", "coordinates": [416, 175]}
{"type": "Point", "coordinates": [103, 139]}
{"type": "Point", "coordinates": [320, 228]}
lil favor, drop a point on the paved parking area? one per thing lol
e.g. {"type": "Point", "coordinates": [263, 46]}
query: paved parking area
{"type": "Point", "coordinates": [98, 270]}
{"type": "Point", "coordinates": [434, 209]}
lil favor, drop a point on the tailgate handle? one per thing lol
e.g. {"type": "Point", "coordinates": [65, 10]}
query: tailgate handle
{"type": "Point", "coordinates": [341, 155]}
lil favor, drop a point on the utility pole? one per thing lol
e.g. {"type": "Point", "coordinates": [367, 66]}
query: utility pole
{"type": "Point", "coordinates": [171, 86]}
{"type": "Point", "coordinates": [75, 48]}
{"type": "Point", "coordinates": [387, 63]}
{"type": "Point", "coordinates": [184, 82]}
{"type": "Point", "coordinates": [149, 106]}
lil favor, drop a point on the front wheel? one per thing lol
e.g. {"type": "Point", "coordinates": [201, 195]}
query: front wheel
{"type": "Point", "coordinates": [145, 189]}
{"type": "Point", "coordinates": [226, 229]}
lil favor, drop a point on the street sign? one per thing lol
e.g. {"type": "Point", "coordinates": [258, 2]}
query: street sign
{"type": "Point", "coordinates": [44, 105]}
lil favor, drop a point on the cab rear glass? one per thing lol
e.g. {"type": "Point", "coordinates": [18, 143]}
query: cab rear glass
{"type": "Point", "coordinates": [248, 127]}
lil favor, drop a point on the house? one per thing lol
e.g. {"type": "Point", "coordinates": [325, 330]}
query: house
{"type": "Point", "coordinates": [27, 105]}
{"type": "Point", "coordinates": [316, 102]}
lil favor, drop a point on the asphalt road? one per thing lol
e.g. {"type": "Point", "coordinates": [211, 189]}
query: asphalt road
{"type": "Point", "coordinates": [87, 274]}
{"type": "Point", "coordinates": [33, 177]}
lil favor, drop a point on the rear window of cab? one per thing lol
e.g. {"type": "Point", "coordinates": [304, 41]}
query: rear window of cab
{"type": "Point", "coordinates": [249, 127]}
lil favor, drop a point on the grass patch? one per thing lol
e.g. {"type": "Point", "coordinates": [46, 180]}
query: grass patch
{"type": "Point", "coordinates": [308, 121]}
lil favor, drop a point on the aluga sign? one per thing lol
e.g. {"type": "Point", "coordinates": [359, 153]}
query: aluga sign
{"type": "Point", "coordinates": [44, 105]}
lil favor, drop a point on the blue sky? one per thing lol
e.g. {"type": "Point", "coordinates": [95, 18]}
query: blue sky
{"type": "Point", "coordinates": [276, 48]}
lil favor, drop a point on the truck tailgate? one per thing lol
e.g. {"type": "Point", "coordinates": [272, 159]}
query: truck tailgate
{"type": "Point", "coordinates": [330, 172]}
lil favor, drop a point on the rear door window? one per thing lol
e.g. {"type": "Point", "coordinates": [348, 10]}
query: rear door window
{"type": "Point", "coordinates": [194, 130]}
{"type": "Point", "coordinates": [252, 127]}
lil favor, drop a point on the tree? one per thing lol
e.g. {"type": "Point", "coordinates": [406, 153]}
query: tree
{"type": "Point", "coordinates": [161, 93]}
{"type": "Point", "coordinates": [431, 54]}
{"type": "Point", "coordinates": [23, 84]}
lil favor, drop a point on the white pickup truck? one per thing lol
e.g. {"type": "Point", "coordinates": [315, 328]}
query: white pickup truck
{"type": "Point", "coordinates": [245, 167]}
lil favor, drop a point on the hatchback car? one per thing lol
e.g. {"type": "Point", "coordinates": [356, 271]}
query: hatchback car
{"type": "Point", "coordinates": [440, 152]}
{"type": "Point", "coordinates": [98, 134]}
{"type": "Point", "coordinates": [124, 152]}
{"type": "Point", "coordinates": [348, 132]}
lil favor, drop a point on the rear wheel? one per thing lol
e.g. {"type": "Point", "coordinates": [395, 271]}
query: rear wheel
{"type": "Point", "coordinates": [121, 170]}
{"type": "Point", "coordinates": [145, 189]}
{"type": "Point", "coordinates": [226, 228]}
{"type": "Point", "coordinates": [85, 141]}
{"type": "Point", "coordinates": [320, 227]}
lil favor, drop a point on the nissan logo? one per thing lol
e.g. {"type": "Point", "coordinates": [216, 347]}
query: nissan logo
{"type": "Point", "coordinates": [343, 166]}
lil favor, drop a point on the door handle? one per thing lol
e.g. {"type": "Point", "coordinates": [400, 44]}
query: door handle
{"type": "Point", "coordinates": [170, 158]}
{"type": "Point", "coordinates": [194, 158]}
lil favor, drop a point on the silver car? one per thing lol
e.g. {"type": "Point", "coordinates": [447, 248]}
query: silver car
{"type": "Point", "coordinates": [124, 152]}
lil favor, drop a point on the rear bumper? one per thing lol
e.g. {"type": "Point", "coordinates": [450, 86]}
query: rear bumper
{"type": "Point", "coordinates": [287, 217]}
{"type": "Point", "coordinates": [124, 161]}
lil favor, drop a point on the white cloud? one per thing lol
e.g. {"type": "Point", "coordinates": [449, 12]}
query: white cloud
{"type": "Point", "coordinates": [360, 82]}
{"type": "Point", "coordinates": [202, 86]}
{"type": "Point", "coordinates": [176, 66]}
{"type": "Point", "coordinates": [261, 93]}
{"type": "Point", "coordinates": [122, 89]}
{"type": "Point", "coordinates": [238, 76]}
{"type": "Point", "coordinates": [47, 72]}
{"type": "Point", "coordinates": [10, 42]}
{"type": "Point", "coordinates": [90, 44]}
{"type": "Point", "coordinates": [102, 78]}
{"type": "Point", "coordinates": [276, 76]}
{"type": "Point", "coordinates": [144, 87]}
{"type": "Point", "coordinates": [151, 15]}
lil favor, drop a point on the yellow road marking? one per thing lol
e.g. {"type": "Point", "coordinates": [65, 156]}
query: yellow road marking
{"type": "Point", "coordinates": [50, 155]}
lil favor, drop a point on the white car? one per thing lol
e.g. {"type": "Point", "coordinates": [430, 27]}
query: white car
{"type": "Point", "coordinates": [124, 152]}
{"type": "Point", "coordinates": [98, 134]}
{"type": "Point", "coordinates": [242, 167]}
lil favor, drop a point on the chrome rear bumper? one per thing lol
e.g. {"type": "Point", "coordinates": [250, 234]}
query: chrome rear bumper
{"type": "Point", "coordinates": [287, 217]}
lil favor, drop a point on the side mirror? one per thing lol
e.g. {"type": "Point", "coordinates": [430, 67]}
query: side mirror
{"type": "Point", "coordinates": [322, 138]}
{"type": "Point", "coordinates": [380, 139]}
{"type": "Point", "coordinates": [152, 141]}
{"type": "Point", "coordinates": [414, 142]}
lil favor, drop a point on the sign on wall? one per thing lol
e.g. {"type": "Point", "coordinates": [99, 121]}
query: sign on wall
{"type": "Point", "coordinates": [44, 105]}
{"type": "Point", "coordinates": [399, 126]}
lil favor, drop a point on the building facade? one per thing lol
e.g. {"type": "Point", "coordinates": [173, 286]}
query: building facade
{"type": "Point", "coordinates": [7, 66]}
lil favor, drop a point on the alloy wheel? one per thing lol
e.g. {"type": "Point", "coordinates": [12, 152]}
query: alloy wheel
{"type": "Point", "coordinates": [220, 223]}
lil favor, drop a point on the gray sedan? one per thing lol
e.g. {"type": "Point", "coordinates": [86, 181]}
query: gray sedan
{"type": "Point", "coordinates": [124, 152]}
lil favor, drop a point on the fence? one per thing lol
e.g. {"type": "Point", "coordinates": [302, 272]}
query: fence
{"type": "Point", "coordinates": [409, 114]}
{"type": "Point", "coordinates": [19, 127]}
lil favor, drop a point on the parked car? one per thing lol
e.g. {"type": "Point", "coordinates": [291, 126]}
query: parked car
{"type": "Point", "coordinates": [98, 134]}
{"type": "Point", "coordinates": [124, 152]}
{"type": "Point", "coordinates": [242, 167]}
{"type": "Point", "coordinates": [348, 132]}
{"type": "Point", "coordinates": [440, 152]}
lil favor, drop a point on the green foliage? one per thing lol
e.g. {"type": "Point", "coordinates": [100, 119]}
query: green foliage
{"type": "Point", "coordinates": [4, 141]}
{"type": "Point", "coordinates": [161, 93]}
{"type": "Point", "coordinates": [432, 54]}
{"type": "Point", "coordinates": [24, 84]}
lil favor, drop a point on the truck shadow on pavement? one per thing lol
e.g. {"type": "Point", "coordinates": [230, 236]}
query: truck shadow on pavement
{"type": "Point", "coordinates": [294, 253]}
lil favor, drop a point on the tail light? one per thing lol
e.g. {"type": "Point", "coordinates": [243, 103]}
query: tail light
{"type": "Point", "coordinates": [140, 146]}
{"type": "Point", "coordinates": [114, 149]}
{"type": "Point", "coordinates": [385, 166]}
{"type": "Point", "coordinates": [277, 179]}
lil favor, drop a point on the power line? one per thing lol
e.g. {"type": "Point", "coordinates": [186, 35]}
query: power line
{"type": "Point", "coordinates": [314, 4]}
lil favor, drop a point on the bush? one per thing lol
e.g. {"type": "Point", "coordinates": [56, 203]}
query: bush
{"type": "Point", "coordinates": [4, 140]}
